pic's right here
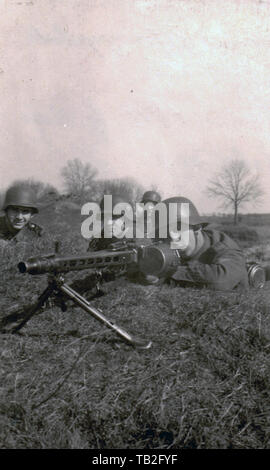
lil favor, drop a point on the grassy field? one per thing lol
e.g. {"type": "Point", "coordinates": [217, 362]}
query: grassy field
{"type": "Point", "coordinates": [67, 382]}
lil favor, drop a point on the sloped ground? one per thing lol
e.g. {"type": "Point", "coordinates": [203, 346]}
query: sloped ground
{"type": "Point", "coordinates": [66, 381]}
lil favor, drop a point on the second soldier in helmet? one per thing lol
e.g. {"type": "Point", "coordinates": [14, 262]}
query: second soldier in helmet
{"type": "Point", "coordinates": [145, 211]}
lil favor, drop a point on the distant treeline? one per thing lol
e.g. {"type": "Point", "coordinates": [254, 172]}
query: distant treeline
{"type": "Point", "coordinates": [80, 184]}
{"type": "Point", "coordinates": [247, 219]}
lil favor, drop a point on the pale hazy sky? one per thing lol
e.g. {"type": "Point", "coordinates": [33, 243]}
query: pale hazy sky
{"type": "Point", "coordinates": [166, 91]}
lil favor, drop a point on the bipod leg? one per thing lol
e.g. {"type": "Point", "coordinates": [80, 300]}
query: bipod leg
{"type": "Point", "coordinates": [41, 300]}
{"type": "Point", "coordinates": [98, 315]}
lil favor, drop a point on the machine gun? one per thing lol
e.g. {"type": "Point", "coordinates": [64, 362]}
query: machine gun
{"type": "Point", "coordinates": [156, 259]}
{"type": "Point", "coordinates": [151, 259]}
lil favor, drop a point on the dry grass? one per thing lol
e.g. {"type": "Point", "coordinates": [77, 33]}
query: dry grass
{"type": "Point", "coordinates": [67, 382]}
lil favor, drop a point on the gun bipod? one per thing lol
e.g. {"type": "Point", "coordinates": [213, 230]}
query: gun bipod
{"type": "Point", "coordinates": [56, 284]}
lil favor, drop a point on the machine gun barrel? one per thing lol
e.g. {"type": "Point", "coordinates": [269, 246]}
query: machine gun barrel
{"type": "Point", "coordinates": [155, 259]}
{"type": "Point", "coordinates": [62, 264]}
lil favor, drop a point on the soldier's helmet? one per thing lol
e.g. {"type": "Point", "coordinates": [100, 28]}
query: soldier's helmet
{"type": "Point", "coordinates": [151, 196]}
{"type": "Point", "coordinates": [194, 217]}
{"type": "Point", "coordinates": [116, 199]}
{"type": "Point", "coordinates": [21, 196]}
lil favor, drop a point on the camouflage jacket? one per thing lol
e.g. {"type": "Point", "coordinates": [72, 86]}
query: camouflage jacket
{"type": "Point", "coordinates": [220, 264]}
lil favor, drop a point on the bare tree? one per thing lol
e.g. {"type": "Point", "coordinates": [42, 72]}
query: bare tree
{"type": "Point", "coordinates": [235, 185]}
{"type": "Point", "coordinates": [79, 179]}
{"type": "Point", "coordinates": [128, 187]}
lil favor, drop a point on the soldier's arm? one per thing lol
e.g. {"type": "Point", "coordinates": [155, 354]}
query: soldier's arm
{"type": "Point", "coordinates": [226, 271]}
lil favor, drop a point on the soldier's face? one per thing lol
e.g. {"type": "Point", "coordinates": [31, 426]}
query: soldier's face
{"type": "Point", "coordinates": [193, 237]}
{"type": "Point", "coordinates": [188, 236]}
{"type": "Point", "coordinates": [18, 216]}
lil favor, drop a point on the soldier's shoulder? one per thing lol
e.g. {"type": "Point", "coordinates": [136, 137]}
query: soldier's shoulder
{"type": "Point", "coordinates": [219, 238]}
{"type": "Point", "coordinates": [35, 228]}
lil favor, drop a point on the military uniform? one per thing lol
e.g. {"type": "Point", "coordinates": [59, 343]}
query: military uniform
{"type": "Point", "coordinates": [23, 197]}
{"type": "Point", "coordinates": [30, 232]}
{"type": "Point", "coordinates": [215, 260]}
{"type": "Point", "coordinates": [219, 264]}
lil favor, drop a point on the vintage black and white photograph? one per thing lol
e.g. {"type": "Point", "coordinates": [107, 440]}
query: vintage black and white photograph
{"type": "Point", "coordinates": [135, 227]}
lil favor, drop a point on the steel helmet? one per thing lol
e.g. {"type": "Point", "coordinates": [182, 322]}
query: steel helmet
{"type": "Point", "coordinates": [194, 217]}
{"type": "Point", "coordinates": [151, 196]}
{"type": "Point", "coordinates": [21, 196]}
